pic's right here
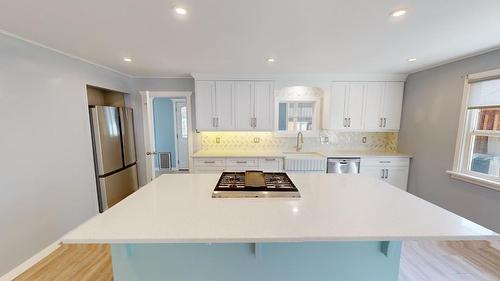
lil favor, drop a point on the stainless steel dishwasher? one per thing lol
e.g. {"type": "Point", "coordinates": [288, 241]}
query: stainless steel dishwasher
{"type": "Point", "coordinates": [343, 165]}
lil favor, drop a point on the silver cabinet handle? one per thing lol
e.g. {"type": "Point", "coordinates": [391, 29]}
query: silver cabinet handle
{"type": "Point", "coordinates": [151, 153]}
{"type": "Point", "coordinates": [216, 122]}
{"type": "Point", "coordinates": [383, 173]}
{"type": "Point", "coordinates": [213, 122]}
{"type": "Point", "coordinates": [386, 173]}
{"type": "Point", "coordinates": [209, 162]}
{"type": "Point", "coordinates": [349, 122]}
{"type": "Point", "coordinates": [241, 162]}
{"type": "Point", "coordinates": [384, 161]}
{"type": "Point", "coordinates": [269, 159]}
{"type": "Point", "coordinates": [385, 122]}
{"type": "Point", "coordinates": [381, 122]}
{"type": "Point", "coordinates": [255, 122]}
{"type": "Point", "coordinates": [345, 122]}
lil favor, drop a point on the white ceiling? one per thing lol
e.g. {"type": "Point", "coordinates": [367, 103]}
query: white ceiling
{"type": "Point", "coordinates": [236, 36]}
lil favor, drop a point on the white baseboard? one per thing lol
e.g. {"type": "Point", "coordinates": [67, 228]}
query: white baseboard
{"type": "Point", "coordinates": [30, 262]}
{"type": "Point", "coordinates": [495, 244]}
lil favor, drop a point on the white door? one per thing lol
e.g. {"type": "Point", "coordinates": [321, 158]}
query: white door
{"type": "Point", "coordinates": [392, 104]}
{"type": "Point", "coordinates": [355, 105]}
{"type": "Point", "coordinates": [181, 120]}
{"type": "Point", "coordinates": [338, 95]}
{"type": "Point", "coordinates": [205, 105]}
{"type": "Point", "coordinates": [263, 106]}
{"type": "Point", "coordinates": [398, 176]}
{"type": "Point", "coordinates": [373, 105]}
{"type": "Point", "coordinates": [374, 172]}
{"type": "Point", "coordinates": [224, 105]}
{"type": "Point", "coordinates": [244, 105]}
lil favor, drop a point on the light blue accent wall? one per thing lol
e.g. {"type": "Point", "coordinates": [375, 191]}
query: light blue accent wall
{"type": "Point", "coordinates": [318, 261]}
{"type": "Point", "coordinates": [163, 116]}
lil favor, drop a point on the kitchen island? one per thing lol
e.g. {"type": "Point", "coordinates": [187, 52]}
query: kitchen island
{"type": "Point", "coordinates": [344, 227]}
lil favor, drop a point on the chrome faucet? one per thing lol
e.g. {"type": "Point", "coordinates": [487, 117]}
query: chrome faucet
{"type": "Point", "coordinates": [300, 141]}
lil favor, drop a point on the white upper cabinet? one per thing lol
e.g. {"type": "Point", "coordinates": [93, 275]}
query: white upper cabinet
{"type": "Point", "coordinates": [224, 105]}
{"type": "Point", "coordinates": [365, 106]}
{"type": "Point", "coordinates": [373, 105]}
{"type": "Point", "coordinates": [263, 106]}
{"type": "Point", "coordinates": [234, 106]}
{"type": "Point", "coordinates": [354, 106]}
{"type": "Point", "coordinates": [244, 105]}
{"type": "Point", "coordinates": [337, 117]}
{"type": "Point", "coordinates": [346, 106]}
{"type": "Point", "coordinates": [205, 105]}
{"type": "Point", "coordinates": [392, 105]}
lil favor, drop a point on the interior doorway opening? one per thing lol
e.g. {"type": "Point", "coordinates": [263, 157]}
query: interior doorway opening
{"type": "Point", "coordinates": [169, 138]}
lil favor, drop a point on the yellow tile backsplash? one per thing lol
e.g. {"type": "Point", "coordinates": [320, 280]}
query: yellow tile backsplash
{"type": "Point", "coordinates": [250, 141]}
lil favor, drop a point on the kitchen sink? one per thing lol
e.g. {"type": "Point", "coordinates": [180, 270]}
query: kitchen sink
{"type": "Point", "coordinates": [304, 161]}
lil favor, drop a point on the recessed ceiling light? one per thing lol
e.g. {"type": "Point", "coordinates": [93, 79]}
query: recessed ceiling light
{"type": "Point", "coordinates": [412, 60]}
{"type": "Point", "coordinates": [398, 13]}
{"type": "Point", "coordinates": [270, 59]}
{"type": "Point", "coordinates": [180, 10]}
{"type": "Point", "coordinates": [127, 59]}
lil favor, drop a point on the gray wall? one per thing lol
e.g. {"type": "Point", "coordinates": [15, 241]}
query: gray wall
{"type": "Point", "coordinates": [153, 84]}
{"type": "Point", "coordinates": [46, 170]}
{"type": "Point", "coordinates": [431, 110]}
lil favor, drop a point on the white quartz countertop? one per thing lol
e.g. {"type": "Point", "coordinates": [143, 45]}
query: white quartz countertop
{"type": "Point", "coordinates": [276, 153]}
{"type": "Point", "coordinates": [178, 208]}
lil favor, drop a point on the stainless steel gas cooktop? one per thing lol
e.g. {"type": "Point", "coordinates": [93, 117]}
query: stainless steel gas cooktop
{"type": "Point", "coordinates": [255, 184]}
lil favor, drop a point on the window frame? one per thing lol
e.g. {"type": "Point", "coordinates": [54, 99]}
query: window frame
{"type": "Point", "coordinates": [465, 134]}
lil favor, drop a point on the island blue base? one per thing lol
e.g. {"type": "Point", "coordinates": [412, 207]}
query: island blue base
{"type": "Point", "coordinates": [318, 261]}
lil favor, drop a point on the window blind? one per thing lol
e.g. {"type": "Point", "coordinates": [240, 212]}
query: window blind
{"type": "Point", "coordinates": [484, 94]}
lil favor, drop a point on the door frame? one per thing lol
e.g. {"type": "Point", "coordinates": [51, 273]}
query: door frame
{"type": "Point", "coordinates": [147, 117]}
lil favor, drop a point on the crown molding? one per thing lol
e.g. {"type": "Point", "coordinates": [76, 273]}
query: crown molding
{"type": "Point", "coordinates": [301, 77]}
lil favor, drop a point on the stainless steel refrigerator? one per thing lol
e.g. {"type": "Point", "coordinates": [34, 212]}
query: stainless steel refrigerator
{"type": "Point", "coordinates": [114, 153]}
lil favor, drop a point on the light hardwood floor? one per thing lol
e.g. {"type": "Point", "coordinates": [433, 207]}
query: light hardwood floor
{"type": "Point", "coordinates": [420, 261]}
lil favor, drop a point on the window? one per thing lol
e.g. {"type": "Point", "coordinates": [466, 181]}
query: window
{"type": "Point", "coordinates": [296, 116]}
{"type": "Point", "coordinates": [477, 157]}
{"type": "Point", "coordinates": [184, 126]}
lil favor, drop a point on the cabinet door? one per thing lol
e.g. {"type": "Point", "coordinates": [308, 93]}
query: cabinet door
{"type": "Point", "coordinates": [373, 105]}
{"type": "Point", "coordinates": [355, 105]}
{"type": "Point", "coordinates": [205, 105]}
{"type": "Point", "coordinates": [398, 176]}
{"type": "Point", "coordinates": [224, 105]}
{"type": "Point", "coordinates": [374, 172]}
{"type": "Point", "coordinates": [263, 106]}
{"type": "Point", "coordinates": [338, 96]}
{"type": "Point", "coordinates": [392, 103]}
{"type": "Point", "coordinates": [244, 105]}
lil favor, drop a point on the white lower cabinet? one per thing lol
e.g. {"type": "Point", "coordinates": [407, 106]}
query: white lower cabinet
{"type": "Point", "coordinates": [392, 170]}
{"type": "Point", "coordinates": [232, 164]}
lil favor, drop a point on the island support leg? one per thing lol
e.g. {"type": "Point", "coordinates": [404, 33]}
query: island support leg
{"type": "Point", "coordinates": [332, 261]}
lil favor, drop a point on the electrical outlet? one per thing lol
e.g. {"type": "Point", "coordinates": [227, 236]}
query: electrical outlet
{"type": "Point", "coordinates": [256, 140]}
{"type": "Point", "coordinates": [217, 140]}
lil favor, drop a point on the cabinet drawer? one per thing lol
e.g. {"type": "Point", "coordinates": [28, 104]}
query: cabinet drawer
{"type": "Point", "coordinates": [209, 162]}
{"type": "Point", "coordinates": [242, 162]}
{"type": "Point", "coordinates": [271, 164]}
{"type": "Point", "coordinates": [385, 161]}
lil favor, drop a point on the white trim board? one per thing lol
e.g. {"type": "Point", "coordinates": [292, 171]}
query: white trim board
{"type": "Point", "coordinates": [18, 270]}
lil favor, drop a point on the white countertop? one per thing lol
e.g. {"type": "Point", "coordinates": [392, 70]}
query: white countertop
{"type": "Point", "coordinates": [178, 208]}
{"type": "Point", "coordinates": [277, 153]}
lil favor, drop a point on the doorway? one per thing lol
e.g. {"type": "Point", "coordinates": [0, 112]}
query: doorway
{"type": "Point", "coordinates": [168, 137]}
